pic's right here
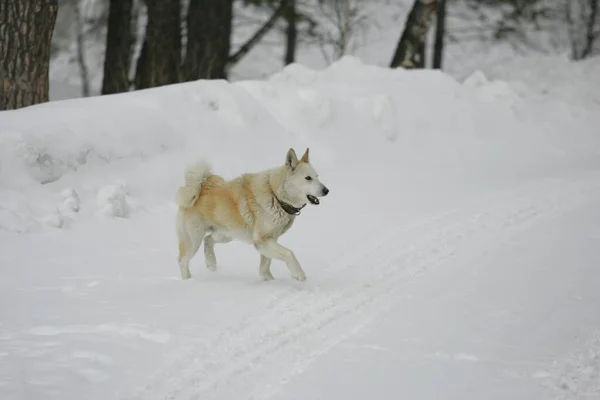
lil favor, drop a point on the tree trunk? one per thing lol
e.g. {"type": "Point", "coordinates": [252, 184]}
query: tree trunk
{"type": "Point", "coordinates": [26, 28]}
{"type": "Point", "coordinates": [291, 33]}
{"type": "Point", "coordinates": [590, 35]}
{"type": "Point", "coordinates": [208, 39]}
{"type": "Point", "coordinates": [142, 68]}
{"type": "Point", "coordinates": [160, 58]}
{"type": "Point", "coordinates": [81, 59]}
{"type": "Point", "coordinates": [440, 32]}
{"type": "Point", "coordinates": [408, 53]}
{"type": "Point", "coordinates": [117, 59]}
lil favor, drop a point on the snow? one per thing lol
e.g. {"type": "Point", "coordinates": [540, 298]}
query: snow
{"type": "Point", "coordinates": [454, 257]}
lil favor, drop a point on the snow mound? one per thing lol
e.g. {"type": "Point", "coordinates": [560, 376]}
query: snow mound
{"type": "Point", "coordinates": [551, 77]}
{"type": "Point", "coordinates": [114, 201]}
{"type": "Point", "coordinates": [296, 73]}
{"type": "Point", "coordinates": [491, 91]}
{"type": "Point", "coordinates": [71, 202]}
{"type": "Point", "coordinates": [403, 120]}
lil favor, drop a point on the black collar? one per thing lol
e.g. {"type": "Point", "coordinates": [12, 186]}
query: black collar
{"type": "Point", "coordinates": [288, 208]}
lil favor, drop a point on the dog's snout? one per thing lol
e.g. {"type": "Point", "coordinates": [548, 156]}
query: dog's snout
{"type": "Point", "coordinates": [325, 191]}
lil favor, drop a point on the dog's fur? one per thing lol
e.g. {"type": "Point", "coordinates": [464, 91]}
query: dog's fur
{"type": "Point", "coordinates": [256, 208]}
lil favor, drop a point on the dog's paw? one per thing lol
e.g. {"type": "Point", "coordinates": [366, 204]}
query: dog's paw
{"type": "Point", "coordinates": [299, 276]}
{"type": "Point", "coordinates": [185, 270]}
{"type": "Point", "coordinates": [211, 266]}
{"type": "Point", "coordinates": [186, 275]}
{"type": "Point", "coordinates": [267, 277]}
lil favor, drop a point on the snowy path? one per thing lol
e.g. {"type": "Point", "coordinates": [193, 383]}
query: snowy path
{"type": "Point", "coordinates": [515, 317]}
{"type": "Point", "coordinates": [259, 354]}
{"type": "Point", "coordinates": [460, 287]}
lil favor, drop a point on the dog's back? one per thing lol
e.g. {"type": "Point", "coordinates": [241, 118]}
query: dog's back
{"type": "Point", "coordinates": [221, 203]}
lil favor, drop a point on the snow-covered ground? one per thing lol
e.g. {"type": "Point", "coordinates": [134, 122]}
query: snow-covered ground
{"type": "Point", "coordinates": [455, 257]}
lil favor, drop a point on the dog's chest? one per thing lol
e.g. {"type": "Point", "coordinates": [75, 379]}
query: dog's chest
{"type": "Point", "coordinates": [279, 223]}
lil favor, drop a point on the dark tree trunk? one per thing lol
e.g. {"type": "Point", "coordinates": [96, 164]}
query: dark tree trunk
{"type": "Point", "coordinates": [160, 58]}
{"type": "Point", "coordinates": [291, 33]}
{"type": "Point", "coordinates": [208, 39]}
{"type": "Point", "coordinates": [26, 28]}
{"type": "Point", "coordinates": [423, 53]}
{"type": "Point", "coordinates": [440, 32]}
{"type": "Point", "coordinates": [117, 59]}
{"type": "Point", "coordinates": [590, 36]}
{"type": "Point", "coordinates": [142, 68]}
{"type": "Point", "coordinates": [410, 49]}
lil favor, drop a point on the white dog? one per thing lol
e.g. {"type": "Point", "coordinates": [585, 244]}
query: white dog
{"type": "Point", "coordinates": [256, 208]}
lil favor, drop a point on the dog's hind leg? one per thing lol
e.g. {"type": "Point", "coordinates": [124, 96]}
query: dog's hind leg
{"type": "Point", "coordinates": [265, 268]}
{"type": "Point", "coordinates": [190, 234]}
{"type": "Point", "coordinates": [209, 248]}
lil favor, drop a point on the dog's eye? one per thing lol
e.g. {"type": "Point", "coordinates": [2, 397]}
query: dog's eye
{"type": "Point", "coordinates": [308, 178]}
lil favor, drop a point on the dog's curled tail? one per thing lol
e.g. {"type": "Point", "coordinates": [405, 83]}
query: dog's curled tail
{"type": "Point", "coordinates": [195, 176]}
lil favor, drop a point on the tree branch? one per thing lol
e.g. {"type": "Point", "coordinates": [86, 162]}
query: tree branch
{"type": "Point", "coordinates": [257, 37]}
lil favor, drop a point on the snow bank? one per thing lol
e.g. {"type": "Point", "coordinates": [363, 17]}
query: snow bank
{"type": "Point", "coordinates": [93, 144]}
{"type": "Point", "coordinates": [364, 122]}
{"type": "Point", "coordinates": [551, 77]}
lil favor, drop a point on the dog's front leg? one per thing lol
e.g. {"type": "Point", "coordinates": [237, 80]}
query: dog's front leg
{"type": "Point", "coordinates": [269, 248]}
{"type": "Point", "coordinates": [265, 268]}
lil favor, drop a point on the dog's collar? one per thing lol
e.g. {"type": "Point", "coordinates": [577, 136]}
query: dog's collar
{"type": "Point", "coordinates": [288, 208]}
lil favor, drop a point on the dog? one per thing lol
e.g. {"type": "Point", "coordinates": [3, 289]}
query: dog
{"type": "Point", "coordinates": [256, 208]}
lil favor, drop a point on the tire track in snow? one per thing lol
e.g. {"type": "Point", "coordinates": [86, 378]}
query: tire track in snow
{"type": "Point", "coordinates": [577, 375]}
{"type": "Point", "coordinates": [232, 335]}
{"type": "Point", "coordinates": [494, 222]}
{"type": "Point", "coordinates": [267, 349]}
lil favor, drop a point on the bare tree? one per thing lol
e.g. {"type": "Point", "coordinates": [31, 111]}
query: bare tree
{"type": "Point", "coordinates": [259, 34]}
{"type": "Point", "coordinates": [209, 25]}
{"type": "Point", "coordinates": [208, 39]}
{"type": "Point", "coordinates": [584, 27]}
{"type": "Point", "coordinates": [440, 33]}
{"type": "Point", "coordinates": [26, 28]}
{"type": "Point", "coordinates": [80, 44]}
{"type": "Point", "coordinates": [540, 26]}
{"type": "Point", "coordinates": [160, 58]}
{"type": "Point", "coordinates": [291, 33]}
{"type": "Point", "coordinates": [337, 23]}
{"type": "Point", "coordinates": [592, 32]}
{"type": "Point", "coordinates": [410, 49]}
{"type": "Point", "coordinates": [117, 59]}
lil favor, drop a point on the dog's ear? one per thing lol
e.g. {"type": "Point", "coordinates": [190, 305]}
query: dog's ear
{"type": "Point", "coordinates": [291, 159]}
{"type": "Point", "coordinates": [305, 156]}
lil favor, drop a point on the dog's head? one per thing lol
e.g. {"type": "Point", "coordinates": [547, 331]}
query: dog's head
{"type": "Point", "coordinates": [302, 182]}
